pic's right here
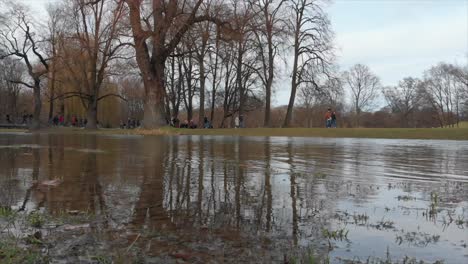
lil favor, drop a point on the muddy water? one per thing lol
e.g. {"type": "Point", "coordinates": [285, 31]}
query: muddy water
{"type": "Point", "coordinates": [264, 196]}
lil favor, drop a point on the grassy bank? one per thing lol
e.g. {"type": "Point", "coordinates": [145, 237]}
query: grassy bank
{"type": "Point", "coordinates": [392, 133]}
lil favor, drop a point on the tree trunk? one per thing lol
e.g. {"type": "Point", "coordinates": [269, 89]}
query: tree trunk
{"type": "Point", "coordinates": [240, 87]}
{"type": "Point", "coordinates": [52, 89]}
{"type": "Point", "coordinates": [271, 63]}
{"type": "Point", "coordinates": [36, 122]}
{"type": "Point", "coordinates": [292, 97]}
{"type": "Point", "coordinates": [51, 109]}
{"type": "Point", "coordinates": [288, 118]}
{"type": "Point", "coordinates": [201, 113]}
{"type": "Point", "coordinates": [91, 114]}
{"type": "Point", "coordinates": [154, 113]}
{"type": "Point", "coordinates": [267, 120]}
{"type": "Point", "coordinates": [215, 74]}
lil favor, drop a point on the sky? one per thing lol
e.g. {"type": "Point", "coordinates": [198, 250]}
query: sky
{"type": "Point", "coordinates": [395, 38]}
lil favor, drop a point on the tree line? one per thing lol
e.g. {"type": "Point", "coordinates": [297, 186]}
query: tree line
{"type": "Point", "coordinates": [158, 60]}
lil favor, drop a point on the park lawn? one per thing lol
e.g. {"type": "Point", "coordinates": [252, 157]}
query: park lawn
{"type": "Point", "coordinates": [392, 133]}
{"type": "Point", "coordinates": [463, 124]}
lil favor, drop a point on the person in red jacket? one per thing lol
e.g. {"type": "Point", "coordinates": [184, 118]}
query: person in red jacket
{"type": "Point", "coordinates": [328, 118]}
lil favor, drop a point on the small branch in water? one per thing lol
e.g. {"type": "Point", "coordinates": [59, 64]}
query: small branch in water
{"type": "Point", "coordinates": [131, 245]}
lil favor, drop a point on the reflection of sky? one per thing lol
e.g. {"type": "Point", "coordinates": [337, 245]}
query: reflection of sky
{"type": "Point", "coordinates": [331, 177]}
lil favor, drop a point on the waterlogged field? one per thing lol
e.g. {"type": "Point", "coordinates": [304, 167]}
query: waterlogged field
{"type": "Point", "coordinates": [210, 199]}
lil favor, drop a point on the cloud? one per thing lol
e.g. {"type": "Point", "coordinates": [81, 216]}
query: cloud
{"type": "Point", "coordinates": [403, 49]}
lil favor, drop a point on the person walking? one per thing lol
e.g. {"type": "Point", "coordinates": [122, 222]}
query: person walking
{"type": "Point", "coordinates": [241, 121]}
{"type": "Point", "coordinates": [8, 120]}
{"type": "Point", "coordinates": [333, 119]}
{"type": "Point", "coordinates": [236, 122]}
{"type": "Point", "coordinates": [328, 118]}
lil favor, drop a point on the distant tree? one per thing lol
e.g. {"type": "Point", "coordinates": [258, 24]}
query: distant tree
{"type": "Point", "coordinates": [445, 87]}
{"type": "Point", "coordinates": [157, 29]}
{"type": "Point", "coordinates": [312, 50]}
{"type": "Point", "coordinates": [92, 42]}
{"type": "Point", "coordinates": [364, 86]}
{"type": "Point", "coordinates": [268, 37]}
{"type": "Point", "coordinates": [20, 38]}
{"type": "Point", "coordinates": [404, 98]}
{"type": "Point", "coordinates": [11, 75]}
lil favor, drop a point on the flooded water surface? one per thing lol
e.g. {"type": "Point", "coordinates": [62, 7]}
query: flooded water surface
{"type": "Point", "coordinates": [249, 199]}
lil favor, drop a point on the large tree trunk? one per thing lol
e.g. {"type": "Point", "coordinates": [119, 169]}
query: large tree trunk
{"type": "Point", "coordinates": [154, 115]}
{"type": "Point", "coordinates": [287, 119]}
{"type": "Point", "coordinates": [91, 114]}
{"type": "Point", "coordinates": [292, 97]}
{"type": "Point", "coordinates": [154, 111]}
{"type": "Point", "coordinates": [36, 122]}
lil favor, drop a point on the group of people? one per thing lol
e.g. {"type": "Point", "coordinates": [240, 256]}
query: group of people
{"type": "Point", "coordinates": [26, 119]}
{"type": "Point", "coordinates": [175, 122]}
{"type": "Point", "coordinates": [59, 120]}
{"type": "Point", "coordinates": [330, 119]}
{"type": "Point", "coordinates": [239, 122]}
{"type": "Point", "coordinates": [131, 123]}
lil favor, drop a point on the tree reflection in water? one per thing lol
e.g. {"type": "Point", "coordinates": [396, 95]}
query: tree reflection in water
{"type": "Point", "coordinates": [258, 194]}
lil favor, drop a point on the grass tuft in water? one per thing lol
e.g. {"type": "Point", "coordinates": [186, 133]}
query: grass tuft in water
{"type": "Point", "coordinates": [340, 234]}
{"type": "Point", "coordinates": [7, 212]}
{"type": "Point", "coordinates": [36, 219]}
{"type": "Point", "coordinates": [11, 253]}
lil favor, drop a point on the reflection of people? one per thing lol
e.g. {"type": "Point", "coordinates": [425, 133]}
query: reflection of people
{"type": "Point", "coordinates": [328, 118]}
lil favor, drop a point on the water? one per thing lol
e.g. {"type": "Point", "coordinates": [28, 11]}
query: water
{"type": "Point", "coordinates": [268, 196]}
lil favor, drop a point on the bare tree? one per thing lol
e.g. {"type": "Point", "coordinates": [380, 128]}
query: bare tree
{"type": "Point", "coordinates": [19, 38]}
{"type": "Point", "coordinates": [364, 86]}
{"type": "Point", "coordinates": [404, 98]}
{"type": "Point", "coordinates": [445, 85]}
{"type": "Point", "coordinates": [312, 50]}
{"type": "Point", "coordinates": [91, 44]}
{"type": "Point", "coordinates": [268, 31]}
{"type": "Point", "coordinates": [11, 75]}
{"type": "Point", "coordinates": [156, 33]}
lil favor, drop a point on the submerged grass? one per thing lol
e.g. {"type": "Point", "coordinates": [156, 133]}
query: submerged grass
{"type": "Point", "coordinates": [11, 253]}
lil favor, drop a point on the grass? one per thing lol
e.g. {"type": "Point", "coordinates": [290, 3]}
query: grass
{"type": "Point", "coordinates": [36, 219]}
{"type": "Point", "coordinates": [11, 253]}
{"type": "Point", "coordinates": [339, 234]}
{"type": "Point", "coordinates": [390, 133]}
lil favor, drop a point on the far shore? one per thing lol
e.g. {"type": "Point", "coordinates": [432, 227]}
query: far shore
{"type": "Point", "coordinates": [390, 133]}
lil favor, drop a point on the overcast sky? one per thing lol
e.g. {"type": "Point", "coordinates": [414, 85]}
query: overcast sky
{"type": "Point", "coordinates": [395, 38]}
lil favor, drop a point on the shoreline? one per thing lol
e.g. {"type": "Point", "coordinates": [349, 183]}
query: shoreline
{"type": "Point", "coordinates": [383, 133]}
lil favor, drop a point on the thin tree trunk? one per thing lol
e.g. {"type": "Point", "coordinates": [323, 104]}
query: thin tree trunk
{"type": "Point", "coordinates": [292, 97]}
{"type": "Point", "coordinates": [240, 87]}
{"type": "Point", "coordinates": [201, 113]}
